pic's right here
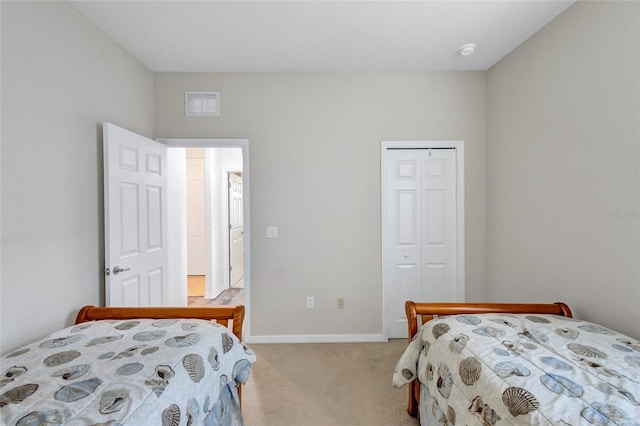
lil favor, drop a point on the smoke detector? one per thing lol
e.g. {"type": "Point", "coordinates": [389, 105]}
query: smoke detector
{"type": "Point", "coordinates": [467, 49]}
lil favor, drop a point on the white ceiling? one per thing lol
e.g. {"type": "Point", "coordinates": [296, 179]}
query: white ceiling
{"type": "Point", "coordinates": [187, 36]}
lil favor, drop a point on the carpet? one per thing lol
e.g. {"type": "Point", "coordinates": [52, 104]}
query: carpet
{"type": "Point", "coordinates": [341, 384]}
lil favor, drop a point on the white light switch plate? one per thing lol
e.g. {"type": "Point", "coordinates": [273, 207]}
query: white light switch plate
{"type": "Point", "coordinates": [272, 232]}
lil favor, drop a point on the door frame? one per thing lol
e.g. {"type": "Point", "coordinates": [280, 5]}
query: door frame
{"type": "Point", "coordinates": [228, 143]}
{"type": "Point", "coordinates": [460, 250]}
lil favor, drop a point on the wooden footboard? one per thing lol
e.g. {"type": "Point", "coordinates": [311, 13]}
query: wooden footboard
{"type": "Point", "coordinates": [420, 313]}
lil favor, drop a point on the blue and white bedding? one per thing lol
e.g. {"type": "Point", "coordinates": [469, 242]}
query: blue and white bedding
{"type": "Point", "coordinates": [505, 369]}
{"type": "Point", "coordinates": [133, 372]}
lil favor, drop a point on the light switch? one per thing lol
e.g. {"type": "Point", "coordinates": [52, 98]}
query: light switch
{"type": "Point", "coordinates": [272, 232]}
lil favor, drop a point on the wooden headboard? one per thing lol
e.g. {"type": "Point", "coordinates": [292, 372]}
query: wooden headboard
{"type": "Point", "coordinates": [429, 311]}
{"type": "Point", "coordinates": [221, 314]}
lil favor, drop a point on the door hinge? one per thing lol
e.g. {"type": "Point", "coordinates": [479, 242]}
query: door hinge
{"type": "Point", "coordinates": [229, 227]}
{"type": "Point", "coordinates": [230, 268]}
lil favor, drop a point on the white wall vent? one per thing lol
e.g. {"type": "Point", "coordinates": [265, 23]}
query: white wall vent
{"type": "Point", "coordinates": [202, 103]}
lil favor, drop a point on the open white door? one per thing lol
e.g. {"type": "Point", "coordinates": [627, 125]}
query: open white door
{"type": "Point", "coordinates": [236, 230]}
{"type": "Point", "coordinates": [135, 205]}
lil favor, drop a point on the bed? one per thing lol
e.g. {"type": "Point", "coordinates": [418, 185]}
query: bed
{"type": "Point", "coordinates": [131, 366]}
{"type": "Point", "coordinates": [493, 364]}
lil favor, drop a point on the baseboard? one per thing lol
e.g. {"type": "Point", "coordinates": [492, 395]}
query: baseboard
{"type": "Point", "coordinates": [317, 338]}
{"type": "Point", "coordinates": [211, 294]}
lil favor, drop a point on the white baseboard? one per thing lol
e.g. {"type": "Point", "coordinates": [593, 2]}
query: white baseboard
{"type": "Point", "coordinates": [317, 338]}
{"type": "Point", "coordinates": [211, 294]}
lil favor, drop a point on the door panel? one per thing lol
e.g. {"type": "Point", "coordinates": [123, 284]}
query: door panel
{"type": "Point", "coordinates": [439, 281]}
{"type": "Point", "coordinates": [130, 289]}
{"type": "Point", "coordinates": [155, 280]}
{"type": "Point", "coordinates": [404, 229]}
{"type": "Point", "coordinates": [434, 217]}
{"type": "Point", "coordinates": [129, 226]}
{"type": "Point", "coordinates": [154, 218]}
{"type": "Point", "coordinates": [407, 220]}
{"type": "Point", "coordinates": [434, 279]}
{"type": "Point", "coordinates": [135, 212]}
{"type": "Point", "coordinates": [236, 230]}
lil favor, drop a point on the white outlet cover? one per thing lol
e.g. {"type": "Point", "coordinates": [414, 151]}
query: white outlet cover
{"type": "Point", "coordinates": [272, 232]}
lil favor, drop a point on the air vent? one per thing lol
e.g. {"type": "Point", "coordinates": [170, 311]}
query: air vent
{"type": "Point", "coordinates": [201, 103]}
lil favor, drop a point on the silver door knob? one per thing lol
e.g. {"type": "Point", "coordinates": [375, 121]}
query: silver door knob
{"type": "Point", "coordinates": [117, 270]}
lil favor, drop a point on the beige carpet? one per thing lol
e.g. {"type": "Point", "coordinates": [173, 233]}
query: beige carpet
{"type": "Point", "coordinates": [346, 384]}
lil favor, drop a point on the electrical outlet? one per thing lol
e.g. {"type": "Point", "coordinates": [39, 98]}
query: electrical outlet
{"type": "Point", "coordinates": [340, 302]}
{"type": "Point", "coordinates": [310, 302]}
{"type": "Point", "coordinates": [272, 232]}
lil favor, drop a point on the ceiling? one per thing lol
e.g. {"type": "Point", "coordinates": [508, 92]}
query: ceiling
{"type": "Point", "coordinates": [216, 36]}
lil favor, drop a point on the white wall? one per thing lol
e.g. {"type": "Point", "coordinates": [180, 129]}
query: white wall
{"type": "Point", "coordinates": [562, 152]}
{"type": "Point", "coordinates": [176, 220]}
{"type": "Point", "coordinates": [315, 173]}
{"type": "Point", "coordinates": [61, 78]}
{"type": "Point", "coordinates": [563, 126]}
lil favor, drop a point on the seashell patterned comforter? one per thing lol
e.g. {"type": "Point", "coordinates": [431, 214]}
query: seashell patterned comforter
{"type": "Point", "coordinates": [133, 372]}
{"type": "Point", "coordinates": [504, 369]}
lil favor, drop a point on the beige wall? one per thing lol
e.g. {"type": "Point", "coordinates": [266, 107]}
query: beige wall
{"type": "Point", "coordinates": [563, 139]}
{"type": "Point", "coordinates": [315, 173]}
{"type": "Point", "coordinates": [61, 78]}
{"type": "Point", "coordinates": [562, 150]}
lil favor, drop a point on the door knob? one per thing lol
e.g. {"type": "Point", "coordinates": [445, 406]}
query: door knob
{"type": "Point", "coordinates": [117, 270]}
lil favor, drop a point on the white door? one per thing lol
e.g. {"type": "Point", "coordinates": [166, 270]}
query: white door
{"type": "Point", "coordinates": [195, 212]}
{"type": "Point", "coordinates": [135, 219]}
{"type": "Point", "coordinates": [420, 231]}
{"type": "Point", "coordinates": [236, 230]}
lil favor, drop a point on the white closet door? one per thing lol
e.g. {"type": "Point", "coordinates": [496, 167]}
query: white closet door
{"type": "Point", "coordinates": [420, 231]}
{"type": "Point", "coordinates": [439, 226]}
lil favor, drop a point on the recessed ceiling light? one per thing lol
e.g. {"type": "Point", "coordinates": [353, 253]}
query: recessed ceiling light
{"type": "Point", "coordinates": [467, 49]}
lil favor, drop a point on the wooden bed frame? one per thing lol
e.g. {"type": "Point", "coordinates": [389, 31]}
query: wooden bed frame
{"type": "Point", "coordinates": [429, 311]}
{"type": "Point", "coordinates": [221, 314]}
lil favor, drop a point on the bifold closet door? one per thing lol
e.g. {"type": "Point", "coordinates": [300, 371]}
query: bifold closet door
{"type": "Point", "coordinates": [420, 232]}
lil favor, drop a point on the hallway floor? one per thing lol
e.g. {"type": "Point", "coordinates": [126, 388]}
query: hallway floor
{"type": "Point", "coordinates": [196, 289]}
